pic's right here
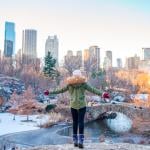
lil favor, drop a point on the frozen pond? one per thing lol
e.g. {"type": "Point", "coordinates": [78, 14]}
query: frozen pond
{"type": "Point", "coordinates": [61, 134]}
{"type": "Point", "coordinates": [95, 130]}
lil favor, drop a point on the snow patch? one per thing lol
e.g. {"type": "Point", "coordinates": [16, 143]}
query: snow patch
{"type": "Point", "coordinates": [8, 125]}
{"type": "Point", "coordinates": [120, 124]}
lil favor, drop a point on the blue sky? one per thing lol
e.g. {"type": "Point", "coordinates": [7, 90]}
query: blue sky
{"type": "Point", "coordinates": [122, 26]}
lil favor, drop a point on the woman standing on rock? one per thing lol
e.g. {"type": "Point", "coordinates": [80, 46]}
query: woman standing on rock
{"type": "Point", "coordinates": [77, 85]}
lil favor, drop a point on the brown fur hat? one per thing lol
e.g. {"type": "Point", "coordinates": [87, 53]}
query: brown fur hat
{"type": "Point", "coordinates": [76, 80]}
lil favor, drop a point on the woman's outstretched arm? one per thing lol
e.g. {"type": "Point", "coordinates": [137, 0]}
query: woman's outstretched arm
{"type": "Point", "coordinates": [57, 91]}
{"type": "Point", "coordinates": [92, 89]}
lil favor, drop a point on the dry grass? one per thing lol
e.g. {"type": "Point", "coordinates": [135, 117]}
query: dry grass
{"type": "Point", "coordinates": [54, 118]}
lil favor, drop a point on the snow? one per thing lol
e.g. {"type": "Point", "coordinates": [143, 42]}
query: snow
{"type": "Point", "coordinates": [139, 96]}
{"type": "Point", "coordinates": [119, 98]}
{"type": "Point", "coordinates": [120, 124]}
{"type": "Point", "coordinates": [8, 125]}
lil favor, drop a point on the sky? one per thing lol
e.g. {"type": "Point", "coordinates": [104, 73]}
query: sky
{"type": "Point", "coordinates": [122, 26]}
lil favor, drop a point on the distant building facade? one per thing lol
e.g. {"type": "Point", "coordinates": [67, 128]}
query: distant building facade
{"type": "Point", "coordinates": [18, 58]}
{"type": "Point", "coordinates": [119, 63]}
{"type": "Point", "coordinates": [52, 45]}
{"type": "Point", "coordinates": [107, 64]}
{"type": "Point", "coordinates": [0, 54]}
{"type": "Point", "coordinates": [132, 62]}
{"type": "Point", "coordinates": [146, 53]}
{"type": "Point", "coordinates": [94, 56]}
{"type": "Point", "coordinates": [29, 45]}
{"type": "Point", "coordinates": [91, 59]}
{"type": "Point", "coordinates": [9, 42]}
{"type": "Point", "coordinates": [73, 62]}
{"type": "Point", "coordinates": [109, 56]}
{"type": "Point", "coordinates": [144, 65]}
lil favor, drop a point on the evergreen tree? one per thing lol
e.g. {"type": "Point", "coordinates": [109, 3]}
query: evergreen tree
{"type": "Point", "coordinates": [49, 65]}
{"type": "Point", "coordinates": [100, 78]}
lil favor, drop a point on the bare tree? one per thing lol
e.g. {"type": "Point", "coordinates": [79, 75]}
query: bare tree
{"type": "Point", "coordinates": [14, 102]}
{"type": "Point", "coordinates": [72, 63]}
{"type": "Point", "coordinates": [25, 104]}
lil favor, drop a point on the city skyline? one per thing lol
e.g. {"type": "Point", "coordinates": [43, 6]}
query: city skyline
{"type": "Point", "coordinates": [119, 26]}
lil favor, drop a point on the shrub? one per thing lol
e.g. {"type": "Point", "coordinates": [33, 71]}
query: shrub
{"type": "Point", "coordinates": [50, 107]}
{"type": "Point", "coordinates": [52, 120]}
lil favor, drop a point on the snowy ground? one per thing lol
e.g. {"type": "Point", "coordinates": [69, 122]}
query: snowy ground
{"type": "Point", "coordinates": [8, 125]}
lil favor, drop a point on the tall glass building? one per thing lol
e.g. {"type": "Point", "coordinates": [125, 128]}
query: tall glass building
{"type": "Point", "coordinates": [9, 43]}
{"type": "Point", "coordinates": [29, 43]}
{"type": "Point", "coordinates": [146, 53]}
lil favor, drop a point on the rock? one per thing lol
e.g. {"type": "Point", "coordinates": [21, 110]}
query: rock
{"type": "Point", "coordinates": [102, 138]}
{"type": "Point", "coordinates": [129, 141]}
{"type": "Point", "coordinates": [108, 115]}
{"type": "Point", "coordinates": [119, 98]}
{"type": "Point", "coordinates": [111, 115]}
{"type": "Point", "coordinates": [8, 85]}
{"type": "Point", "coordinates": [142, 142]}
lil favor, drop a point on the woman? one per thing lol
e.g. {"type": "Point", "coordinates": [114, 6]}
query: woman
{"type": "Point", "coordinates": [77, 85]}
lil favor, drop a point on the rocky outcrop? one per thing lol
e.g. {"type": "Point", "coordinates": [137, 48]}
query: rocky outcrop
{"type": "Point", "coordinates": [94, 146]}
{"type": "Point", "coordinates": [8, 85]}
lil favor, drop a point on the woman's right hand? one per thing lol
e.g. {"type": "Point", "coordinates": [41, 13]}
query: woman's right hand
{"type": "Point", "coordinates": [105, 95]}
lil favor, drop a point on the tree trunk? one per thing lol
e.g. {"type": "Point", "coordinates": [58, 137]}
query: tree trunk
{"type": "Point", "coordinates": [27, 117]}
{"type": "Point", "coordinates": [14, 118]}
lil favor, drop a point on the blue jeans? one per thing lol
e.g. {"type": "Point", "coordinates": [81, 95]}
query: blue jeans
{"type": "Point", "coordinates": [78, 120]}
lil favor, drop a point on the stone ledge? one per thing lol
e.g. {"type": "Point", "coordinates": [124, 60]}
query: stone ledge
{"type": "Point", "coordinates": [94, 146]}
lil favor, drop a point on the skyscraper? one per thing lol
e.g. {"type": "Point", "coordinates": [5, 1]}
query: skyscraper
{"type": "Point", "coordinates": [73, 62]}
{"type": "Point", "coordinates": [29, 44]}
{"type": "Point", "coordinates": [132, 62]}
{"type": "Point", "coordinates": [94, 56]}
{"type": "Point", "coordinates": [79, 58]}
{"type": "Point", "coordinates": [0, 54]}
{"type": "Point", "coordinates": [86, 55]}
{"type": "Point", "coordinates": [146, 53]}
{"type": "Point", "coordinates": [9, 42]}
{"type": "Point", "coordinates": [119, 62]}
{"type": "Point", "coordinates": [109, 58]}
{"type": "Point", "coordinates": [52, 45]}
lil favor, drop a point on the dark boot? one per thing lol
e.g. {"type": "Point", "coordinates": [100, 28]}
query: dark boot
{"type": "Point", "coordinates": [81, 139]}
{"type": "Point", "coordinates": [76, 144]}
{"type": "Point", "coordinates": [80, 146]}
{"type": "Point", "coordinates": [75, 140]}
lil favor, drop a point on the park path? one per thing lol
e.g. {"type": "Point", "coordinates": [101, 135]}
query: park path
{"type": "Point", "coordinates": [95, 146]}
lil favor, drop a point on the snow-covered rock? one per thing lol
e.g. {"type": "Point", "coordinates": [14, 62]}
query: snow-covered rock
{"type": "Point", "coordinates": [8, 85]}
{"type": "Point", "coordinates": [139, 96]}
{"type": "Point", "coordinates": [119, 98]}
{"type": "Point", "coordinates": [96, 98]}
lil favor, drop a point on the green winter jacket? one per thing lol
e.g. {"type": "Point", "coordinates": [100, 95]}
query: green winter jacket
{"type": "Point", "coordinates": [77, 93]}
